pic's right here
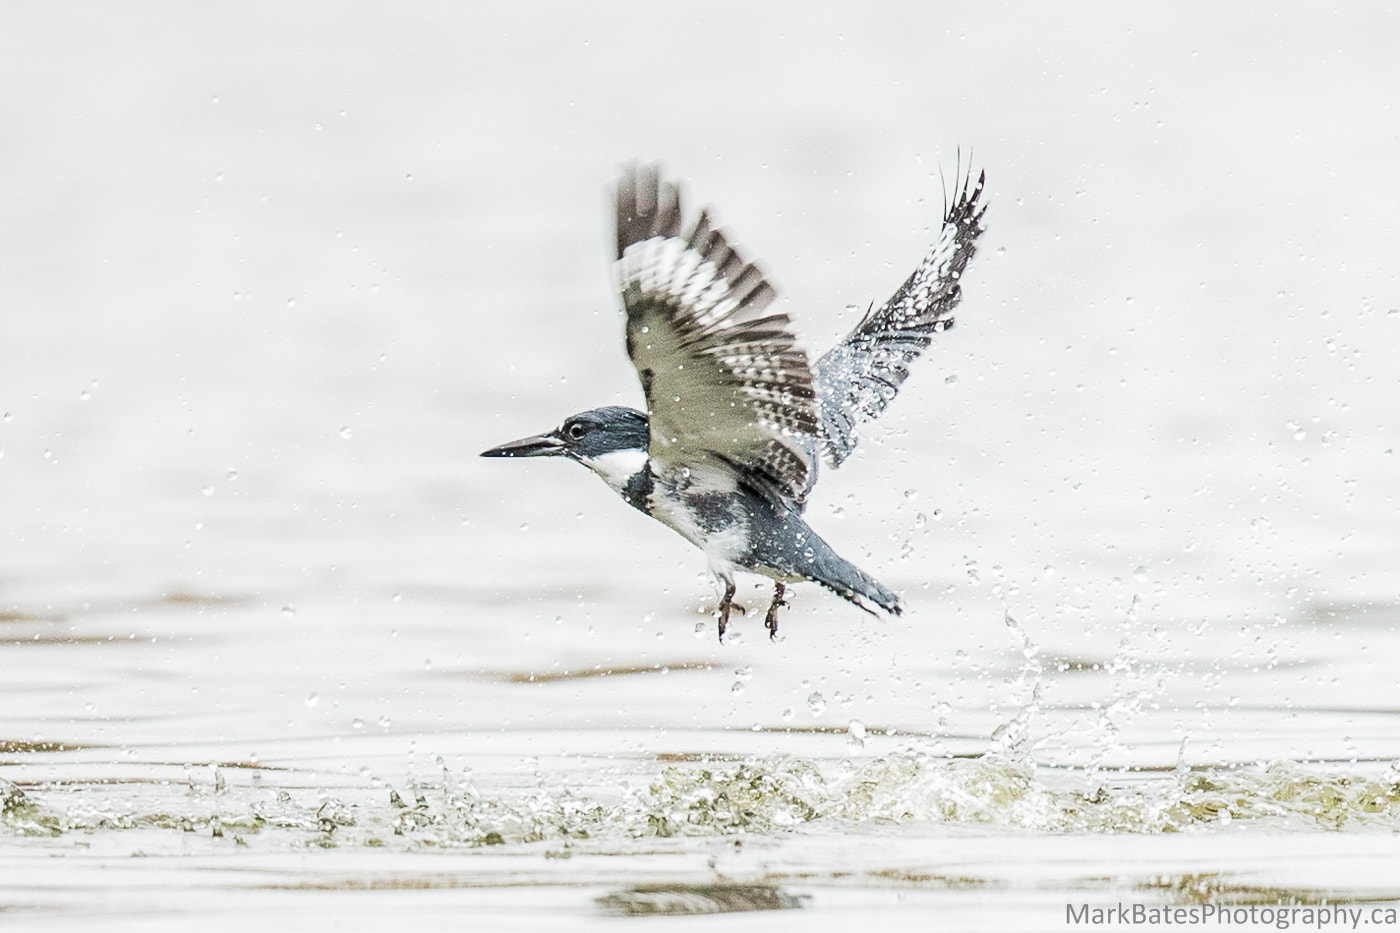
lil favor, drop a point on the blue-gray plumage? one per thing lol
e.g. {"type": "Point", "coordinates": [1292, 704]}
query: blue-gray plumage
{"type": "Point", "coordinates": [738, 418]}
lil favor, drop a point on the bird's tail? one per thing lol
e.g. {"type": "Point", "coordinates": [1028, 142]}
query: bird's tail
{"type": "Point", "coordinates": [787, 544]}
{"type": "Point", "coordinates": [848, 581]}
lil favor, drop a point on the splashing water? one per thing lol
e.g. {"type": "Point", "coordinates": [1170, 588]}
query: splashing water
{"type": "Point", "coordinates": [761, 797]}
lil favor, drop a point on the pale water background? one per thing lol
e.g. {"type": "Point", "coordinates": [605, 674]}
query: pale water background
{"type": "Point", "coordinates": [278, 649]}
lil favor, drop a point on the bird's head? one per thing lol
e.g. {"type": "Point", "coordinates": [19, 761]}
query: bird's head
{"type": "Point", "coordinates": [610, 441]}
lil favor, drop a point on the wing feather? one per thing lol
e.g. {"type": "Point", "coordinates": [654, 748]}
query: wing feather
{"type": "Point", "coordinates": [725, 381]}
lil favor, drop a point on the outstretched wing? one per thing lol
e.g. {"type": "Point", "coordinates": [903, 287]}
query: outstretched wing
{"type": "Point", "coordinates": [725, 381]}
{"type": "Point", "coordinates": [856, 379]}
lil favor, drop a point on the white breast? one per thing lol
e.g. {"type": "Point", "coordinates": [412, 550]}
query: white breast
{"type": "Point", "coordinates": [723, 538]}
{"type": "Point", "coordinates": [618, 466]}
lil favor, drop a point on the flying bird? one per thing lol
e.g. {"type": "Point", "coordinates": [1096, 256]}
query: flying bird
{"type": "Point", "coordinates": [738, 418]}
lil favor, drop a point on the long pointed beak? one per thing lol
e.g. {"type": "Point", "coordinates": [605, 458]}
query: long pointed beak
{"type": "Point", "coordinates": [541, 445]}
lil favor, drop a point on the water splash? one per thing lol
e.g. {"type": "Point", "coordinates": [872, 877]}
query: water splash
{"type": "Point", "coordinates": [1014, 739]}
{"type": "Point", "coordinates": [758, 797]}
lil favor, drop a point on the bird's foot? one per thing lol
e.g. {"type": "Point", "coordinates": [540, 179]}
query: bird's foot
{"type": "Point", "coordinates": [726, 603]}
{"type": "Point", "coordinates": [770, 621]}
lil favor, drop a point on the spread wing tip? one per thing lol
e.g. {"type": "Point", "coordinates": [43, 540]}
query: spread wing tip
{"type": "Point", "coordinates": [646, 206]}
{"type": "Point", "coordinates": [858, 377]}
{"type": "Point", "coordinates": [967, 207]}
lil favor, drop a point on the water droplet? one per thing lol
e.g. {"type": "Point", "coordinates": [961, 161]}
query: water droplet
{"type": "Point", "coordinates": [312, 699]}
{"type": "Point", "coordinates": [357, 723]}
{"type": "Point", "coordinates": [288, 612]}
{"type": "Point", "coordinates": [524, 526]}
{"type": "Point", "coordinates": [345, 433]}
{"type": "Point", "coordinates": [231, 475]}
{"type": "Point", "coordinates": [816, 703]}
{"type": "Point", "coordinates": [207, 490]}
{"type": "Point", "coordinates": [911, 494]}
{"type": "Point", "coordinates": [737, 689]}
{"type": "Point", "coordinates": [951, 379]}
{"type": "Point", "coordinates": [855, 732]}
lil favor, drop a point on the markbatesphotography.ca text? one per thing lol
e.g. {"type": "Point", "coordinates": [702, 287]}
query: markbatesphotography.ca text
{"type": "Point", "coordinates": [1281, 917]}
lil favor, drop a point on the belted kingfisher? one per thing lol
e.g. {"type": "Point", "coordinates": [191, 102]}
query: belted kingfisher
{"type": "Point", "coordinates": [738, 418]}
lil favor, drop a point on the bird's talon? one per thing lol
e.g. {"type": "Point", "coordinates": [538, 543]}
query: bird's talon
{"type": "Point", "coordinates": [725, 604]}
{"type": "Point", "coordinates": [770, 621]}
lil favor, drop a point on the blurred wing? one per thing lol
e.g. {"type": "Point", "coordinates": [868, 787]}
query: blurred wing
{"type": "Point", "coordinates": [724, 380]}
{"type": "Point", "coordinates": [859, 376]}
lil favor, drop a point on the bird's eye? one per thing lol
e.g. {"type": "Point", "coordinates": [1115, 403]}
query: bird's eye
{"type": "Point", "coordinates": [576, 430]}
